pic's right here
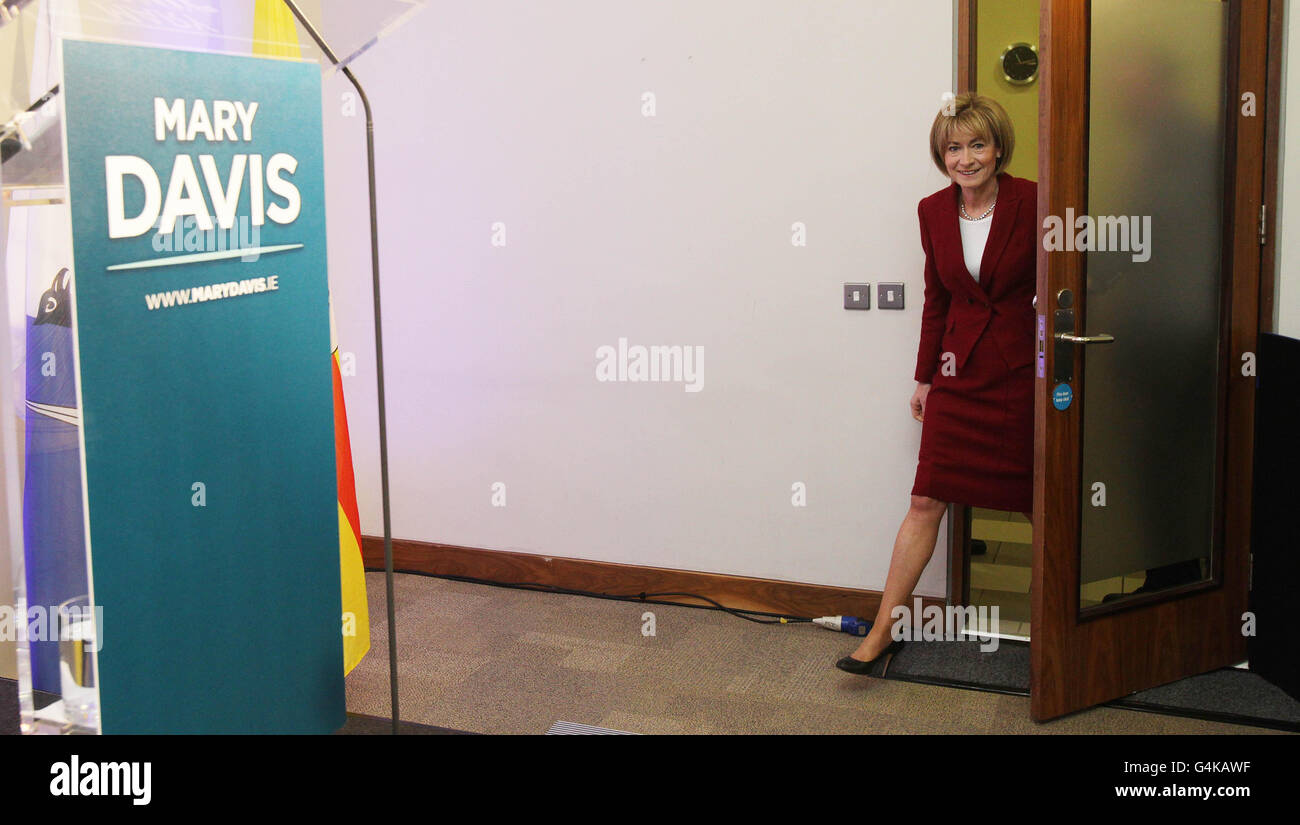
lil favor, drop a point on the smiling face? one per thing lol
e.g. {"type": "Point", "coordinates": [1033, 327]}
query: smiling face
{"type": "Point", "coordinates": [970, 159]}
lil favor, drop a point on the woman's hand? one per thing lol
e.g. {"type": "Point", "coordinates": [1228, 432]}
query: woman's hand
{"type": "Point", "coordinates": [918, 401]}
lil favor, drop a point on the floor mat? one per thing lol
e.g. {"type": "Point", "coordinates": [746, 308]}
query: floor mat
{"type": "Point", "coordinates": [577, 728]}
{"type": "Point", "coordinates": [1225, 695]}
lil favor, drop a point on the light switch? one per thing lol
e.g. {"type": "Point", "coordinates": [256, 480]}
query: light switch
{"type": "Point", "coordinates": [889, 296]}
{"type": "Point", "coordinates": [857, 296]}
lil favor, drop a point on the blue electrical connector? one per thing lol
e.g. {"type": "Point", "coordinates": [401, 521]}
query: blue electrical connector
{"type": "Point", "coordinates": [845, 624]}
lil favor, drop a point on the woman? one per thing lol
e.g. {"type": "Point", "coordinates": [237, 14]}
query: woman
{"type": "Point", "coordinates": [974, 370]}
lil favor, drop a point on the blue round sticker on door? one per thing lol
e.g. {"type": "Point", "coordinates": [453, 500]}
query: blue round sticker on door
{"type": "Point", "coordinates": [1062, 396]}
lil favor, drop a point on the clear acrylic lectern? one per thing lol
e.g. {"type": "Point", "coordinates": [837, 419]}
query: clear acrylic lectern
{"type": "Point", "coordinates": [52, 634]}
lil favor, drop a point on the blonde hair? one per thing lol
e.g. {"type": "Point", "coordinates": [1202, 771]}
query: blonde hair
{"type": "Point", "coordinates": [983, 117]}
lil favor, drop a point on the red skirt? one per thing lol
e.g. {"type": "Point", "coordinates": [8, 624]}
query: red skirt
{"type": "Point", "coordinates": [977, 440]}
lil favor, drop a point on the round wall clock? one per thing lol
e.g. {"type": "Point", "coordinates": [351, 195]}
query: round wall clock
{"type": "Point", "coordinates": [1020, 64]}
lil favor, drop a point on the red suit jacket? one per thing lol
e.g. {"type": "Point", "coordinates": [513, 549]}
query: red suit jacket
{"type": "Point", "coordinates": [998, 310]}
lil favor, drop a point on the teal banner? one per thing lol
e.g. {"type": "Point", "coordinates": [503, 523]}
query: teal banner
{"type": "Point", "coordinates": [200, 301]}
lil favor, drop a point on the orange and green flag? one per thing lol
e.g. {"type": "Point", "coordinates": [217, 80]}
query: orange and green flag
{"type": "Point", "coordinates": [356, 615]}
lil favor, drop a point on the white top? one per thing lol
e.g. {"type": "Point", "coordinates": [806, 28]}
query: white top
{"type": "Point", "coordinates": [974, 237]}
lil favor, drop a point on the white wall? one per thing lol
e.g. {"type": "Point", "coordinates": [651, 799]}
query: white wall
{"type": "Point", "coordinates": [673, 229]}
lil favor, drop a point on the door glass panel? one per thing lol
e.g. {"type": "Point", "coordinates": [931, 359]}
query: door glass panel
{"type": "Point", "coordinates": [1155, 194]}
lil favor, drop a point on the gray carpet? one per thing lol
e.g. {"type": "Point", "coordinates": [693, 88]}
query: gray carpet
{"type": "Point", "coordinates": [357, 723]}
{"type": "Point", "coordinates": [8, 707]}
{"type": "Point", "coordinates": [494, 660]}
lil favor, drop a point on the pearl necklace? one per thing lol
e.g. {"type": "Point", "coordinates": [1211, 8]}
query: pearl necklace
{"type": "Point", "coordinates": [961, 204]}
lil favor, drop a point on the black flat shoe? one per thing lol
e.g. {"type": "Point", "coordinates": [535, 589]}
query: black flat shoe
{"type": "Point", "coordinates": [861, 668]}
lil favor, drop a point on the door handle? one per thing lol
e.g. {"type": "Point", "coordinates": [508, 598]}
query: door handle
{"type": "Point", "coordinates": [1100, 338]}
{"type": "Point", "coordinates": [1064, 338]}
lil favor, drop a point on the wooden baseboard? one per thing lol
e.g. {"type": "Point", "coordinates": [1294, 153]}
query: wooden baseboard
{"type": "Point", "coordinates": [739, 592]}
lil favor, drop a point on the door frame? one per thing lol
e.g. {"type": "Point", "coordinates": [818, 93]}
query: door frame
{"type": "Point", "coordinates": [960, 519]}
{"type": "Point", "coordinates": [959, 515]}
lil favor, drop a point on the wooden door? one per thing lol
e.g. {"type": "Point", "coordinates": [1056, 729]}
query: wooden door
{"type": "Point", "coordinates": [1143, 444]}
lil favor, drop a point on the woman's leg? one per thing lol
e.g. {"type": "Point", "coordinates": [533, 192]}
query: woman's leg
{"type": "Point", "coordinates": [912, 550]}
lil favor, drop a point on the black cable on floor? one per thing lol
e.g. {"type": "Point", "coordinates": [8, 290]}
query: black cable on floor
{"type": "Point", "coordinates": [644, 598]}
